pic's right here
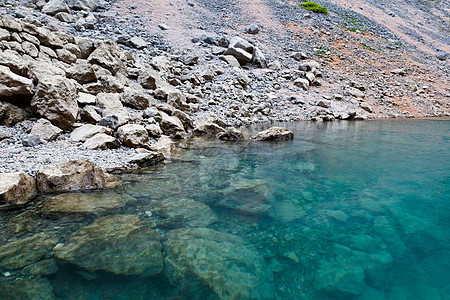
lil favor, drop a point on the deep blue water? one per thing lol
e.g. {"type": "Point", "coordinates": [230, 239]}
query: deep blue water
{"type": "Point", "coordinates": [347, 210]}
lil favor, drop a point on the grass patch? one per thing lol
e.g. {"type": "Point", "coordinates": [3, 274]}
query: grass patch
{"type": "Point", "coordinates": [314, 7]}
{"type": "Point", "coordinates": [351, 23]}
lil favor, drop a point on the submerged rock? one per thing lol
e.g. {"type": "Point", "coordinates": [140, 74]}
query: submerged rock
{"type": "Point", "coordinates": [26, 251]}
{"type": "Point", "coordinates": [248, 196]}
{"type": "Point", "coordinates": [225, 264]}
{"type": "Point", "coordinates": [119, 244]}
{"type": "Point", "coordinates": [84, 203]}
{"type": "Point", "coordinates": [29, 288]}
{"type": "Point", "coordinates": [274, 134]}
{"type": "Point", "coordinates": [16, 188]}
{"type": "Point", "coordinates": [179, 213]}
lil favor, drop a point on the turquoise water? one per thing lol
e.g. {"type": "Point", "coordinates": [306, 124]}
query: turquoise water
{"type": "Point", "coordinates": [347, 210]}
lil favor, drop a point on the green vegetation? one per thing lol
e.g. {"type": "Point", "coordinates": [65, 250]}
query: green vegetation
{"type": "Point", "coordinates": [314, 7]}
{"type": "Point", "coordinates": [351, 23]}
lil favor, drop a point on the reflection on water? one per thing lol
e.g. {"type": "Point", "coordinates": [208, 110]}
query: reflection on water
{"type": "Point", "coordinates": [347, 210]}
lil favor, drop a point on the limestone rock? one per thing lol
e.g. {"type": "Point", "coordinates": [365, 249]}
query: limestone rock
{"type": "Point", "coordinates": [46, 130]}
{"type": "Point", "coordinates": [356, 92]}
{"type": "Point", "coordinates": [170, 124]}
{"type": "Point", "coordinates": [177, 213]}
{"type": "Point", "coordinates": [231, 134]}
{"type": "Point", "coordinates": [26, 251]}
{"type": "Point", "coordinates": [164, 145]}
{"type": "Point", "coordinates": [119, 244]}
{"type": "Point", "coordinates": [240, 54]}
{"type": "Point", "coordinates": [274, 134]}
{"type": "Point", "coordinates": [13, 84]}
{"type": "Point", "coordinates": [231, 60]}
{"type": "Point", "coordinates": [84, 203]}
{"type": "Point", "coordinates": [5, 135]}
{"type": "Point", "coordinates": [10, 114]}
{"type": "Point", "coordinates": [226, 264]}
{"type": "Point", "coordinates": [109, 101]}
{"type": "Point", "coordinates": [38, 70]}
{"type": "Point", "coordinates": [84, 98]}
{"type": "Point", "coordinates": [147, 159]}
{"type": "Point", "coordinates": [82, 72]}
{"type": "Point", "coordinates": [101, 141]}
{"type": "Point", "coordinates": [133, 135]}
{"type": "Point", "coordinates": [107, 55]}
{"type": "Point", "coordinates": [56, 100]}
{"type": "Point", "coordinates": [258, 58]}
{"type": "Point", "coordinates": [135, 98]}
{"type": "Point", "coordinates": [207, 127]}
{"type": "Point", "coordinates": [86, 46]}
{"type": "Point", "coordinates": [150, 79]}
{"type": "Point", "coordinates": [13, 61]}
{"type": "Point", "coordinates": [240, 43]}
{"type": "Point", "coordinates": [16, 188]}
{"type": "Point", "coordinates": [30, 288]}
{"type": "Point", "coordinates": [153, 130]}
{"type": "Point", "coordinates": [90, 114]}
{"type": "Point", "coordinates": [55, 6]}
{"type": "Point", "coordinates": [86, 131]}
{"type": "Point", "coordinates": [75, 175]}
{"type": "Point", "coordinates": [302, 83]}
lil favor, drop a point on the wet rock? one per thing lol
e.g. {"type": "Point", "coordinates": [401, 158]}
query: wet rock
{"type": "Point", "coordinates": [16, 189]}
{"type": "Point", "coordinates": [10, 114]}
{"type": "Point", "coordinates": [26, 251]}
{"type": "Point", "coordinates": [101, 141]}
{"type": "Point", "coordinates": [248, 196]}
{"type": "Point", "coordinates": [178, 213]}
{"type": "Point", "coordinates": [84, 203]}
{"type": "Point", "coordinates": [31, 140]}
{"type": "Point", "coordinates": [45, 130]}
{"type": "Point", "coordinates": [29, 288]}
{"type": "Point", "coordinates": [43, 267]}
{"type": "Point", "coordinates": [56, 100]}
{"type": "Point", "coordinates": [75, 175]}
{"type": "Point", "coordinates": [231, 134]}
{"type": "Point", "coordinates": [13, 84]}
{"type": "Point", "coordinates": [274, 134]}
{"type": "Point", "coordinates": [147, 159]}
{"type": "Point", "coordinates": [119, 244]}
{"type": "Point", "coordinates": [228, 266]}
{"type": "Point", "coordinates": [337, 215]}
{"type": "Point", "coordinates": [164, 145]}
{"type": "Point", "coordinates": [133, 135]}
{"type": "Point", "coordinates": [87, 131]}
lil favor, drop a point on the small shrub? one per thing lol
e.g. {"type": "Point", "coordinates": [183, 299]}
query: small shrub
{"type": "Point", "coordinates": [314, 7]}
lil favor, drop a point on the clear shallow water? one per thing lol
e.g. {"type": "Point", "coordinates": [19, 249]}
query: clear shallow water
{"type": "Point", "coordinates": [347, 210]}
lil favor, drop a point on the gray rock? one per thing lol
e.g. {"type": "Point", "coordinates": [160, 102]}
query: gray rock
{"type": "Point", "coordinates": [4, 134]}
{"type": "Point", "coordinates": [135, 97]}
{"type": "Point", "coordinates": [154, 130]}
{"type": "Point", "coordinates": [258, 58]}
{"type": "Point", "coordinates": [55, 6]}
{"type": "Point", "coordinates": [30, 49]}
{"type": "Point", "coordinates": [138, 43]}
{"type": "Point", "coordinates": [84, 98]}
{"type": "Point", "coordinates": [86, 131]}
{"type": "Point", "coordinates": [119, 244]}
{"type": "Point", "coordinates": [91, 115]}
{"type": "Point", "coordinates": [133, 135]}
{"type": "Point", "coordinates": [82, 72]}
{"type": "Point", "coordinates": [274, 134]}
{"type": "Point", "coordinates": [56, 100]}
{"type": "Point", "coordinates": [231, 60]}
{"type": "Point", "coordinates": [107, 55]}
{"type": "Point", "coordinates": [324, 103]}
{"type": "Point", "coordinates": [45, 130]}
{"type": "Point", "coordinates": [302, 83]}
{"type": "Point", "coordinates": [65, 17]}
{"type": "Point", "coordinates": [298, 56]}
{"type": "Point", "coordinates": [13, 84]}
{"type": "Point", "coordinates": [226, 264]}
{"type": "Point", "coordinates": [31, 140]}
{"type": "Point", "coordinates": [171, 124]}
{"type": "Point", "coordinates": [356, 92]}
{"type": "Point", "coordinates": [146, 159]}
{"type": "Point", "coordinates": [231, 134]}
{"type": "Point", "coordinates": [208, 127]}
{"type": "Point", "coordinates": [150, 79]}
{"type": "Point", "coordinates": [164, 145]}
{"type": "Point", "coordinates": [441, 55]}
{"type": "Point", "coordinates": [110, 121]}
{"type": "Point", "coordinates": [101, 141]}
{"type": "Point", "coordinates": [241, 55]}
{"type": "Point", "coordinates": [70, 176]}
{"type": "Point", "coordinates": [252, 29]}
{"type": "Point", "coordinates": [16, 189]}
{"type": "Point", "coordinates": [163, 27]}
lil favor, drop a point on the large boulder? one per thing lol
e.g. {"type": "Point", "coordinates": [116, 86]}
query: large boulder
{"type": "Point", "coordinates": [170, 124]}
{"type": "Point", "coordinates": [133, 135]}
{"type": "Point", "coordinates": [45, 130]}
{"type": "Point", "coordinates": [107, 55]}
{"type": "Point", "coordinates": [150, 79]}
{"type": "Point", "coordinates": [228, 266]}
{"type": "Point", "coordinates": [16, 188]}
{"type": "Point", "coordinates": [207, 127]}
{"type": "Point", "coordinates": [84, 203]}
{"type": "Point", "coordinates": [164, 145]}
{"type": "Point", "coordinates": [135, 97]}
{"type": "Point", "coordinates": [38, 70]}
{"type": "Point", "coordinates": [55, 6]}
{"type": "Point", "coordinates": [146, 159]}
{"type": "Point", "coordinates": [274, 134]}
{"type": "Point", "coordinates": [82, 72]}
{"type": "Point", "coordinates": [247, 196]}
{"type": "Point", "coordinates": [56, 100]}
{"type": "Point", "coordinates": [26, 251]}
{"type": "Point", "coordinates": [101, 141]}
{"type": "Point", "coordinates": [119, 244]}
{"type": "Point", "coordinates": [13, 84]}
{"type": "Point", "coordinates": [70, 176]}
